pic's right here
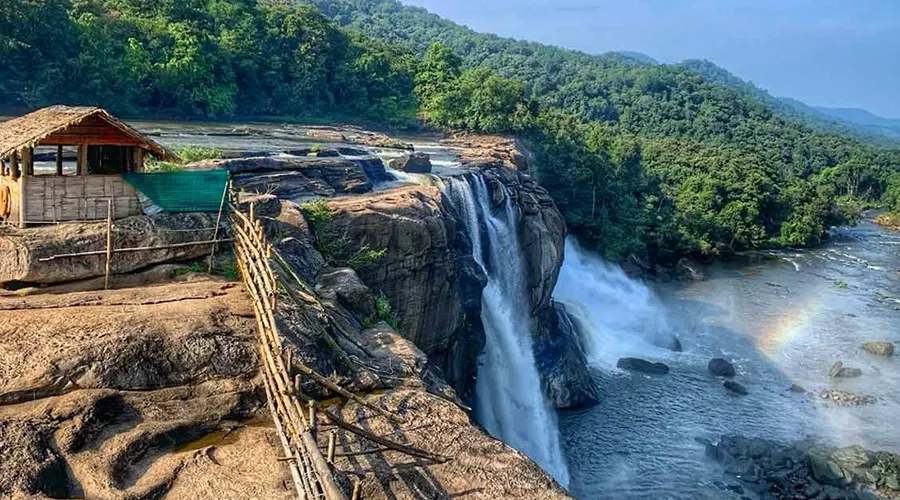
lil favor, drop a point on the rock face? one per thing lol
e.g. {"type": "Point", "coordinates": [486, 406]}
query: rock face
{"type": "Point", "coordinates": [414, 163]}
{"type": "Point", "coordinates": [808, 469]}
{"type": "Point", "coordinates": [880, 348]}
{"type": "Point", "coordinates": [423, 273]}
{"type": "Point", "coordinates": [643, 366]}
{"type": "Point", "coordinates": [561, 362]}
{"type": "Point", "coordinates": [23, 252]}
{"type": "Point", "coordinates": [720, 367]}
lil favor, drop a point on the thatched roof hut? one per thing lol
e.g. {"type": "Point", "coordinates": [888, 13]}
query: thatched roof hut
{"type": "Point", "coordinates": [104, 149]}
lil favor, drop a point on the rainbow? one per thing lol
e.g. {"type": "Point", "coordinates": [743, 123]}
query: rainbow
{"type": "Point", "coordinates": [779, 331]}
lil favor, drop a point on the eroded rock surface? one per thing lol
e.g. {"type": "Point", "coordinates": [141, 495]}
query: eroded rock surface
{"type": "Point", "coordinates": [103, 393]}
{"type": "Point", "coordinates": [24, 253]}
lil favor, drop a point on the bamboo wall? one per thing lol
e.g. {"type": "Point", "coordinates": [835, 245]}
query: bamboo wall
{"type": "Point", "coordinates": [14, 197]}
{"type": "Point", "coordinates": [57, 199]}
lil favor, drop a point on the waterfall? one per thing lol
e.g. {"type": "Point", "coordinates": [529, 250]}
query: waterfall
{"type": "Point", "coordinates": [618, 316]}
{"type": "Point", "coordinates": [509, 400]}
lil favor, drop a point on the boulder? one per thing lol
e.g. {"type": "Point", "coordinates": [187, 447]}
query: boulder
{"type": "Point", "coordinates": [561, 362]}
{"type": "Point", "coordinates": [720, 368]}
{"type": "Point", "coordinates": [848, 373]}
{"type": "Point", "coordinates": [413, 163]}
{"type": "Point", "coordinates": [796, 388]}
{"type": "Point", "coordinates": [344, 285]}
{"type": "Point", "coordinates": [835, 369]}
{"type": "Point", "coordinates": [34, 255]}
{"type": "Point", "coordinates": [643, 366]}
{"type": "Point", "coordinates": [735, 387]}
{"type": "Point", "coordinates": [879, 348]}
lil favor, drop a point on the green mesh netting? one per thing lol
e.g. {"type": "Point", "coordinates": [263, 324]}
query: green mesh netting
{"type": "Point", "coordinates": [189, 191]}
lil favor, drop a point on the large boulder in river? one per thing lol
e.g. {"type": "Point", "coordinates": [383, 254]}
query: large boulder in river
{"type": "Point", "coordinates": [735, 387]}
{"type": "Point", "coordinates": [643, 366]}
{"type": "Point", "coordinates": [849, 373]}
{"type": "Point", "coordinates": [44, 255]}
{"type": "Point", "coordinates": [561, 361]}
{"type": "Point", "coordinates": [720, 367]}
{"type": "Point", "coordinates": [413, 163]}
{"type": "Point", "coordinates": [879, 348]}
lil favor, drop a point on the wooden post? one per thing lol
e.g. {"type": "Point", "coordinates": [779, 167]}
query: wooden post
{"type": "Point", "coordinates": [357, 489]}
{"type": "Point", "coordinates": [138, 160]}
{"type": "Point", "coordinates": [212, 253]}
{"type": "Point", "coordinates": [312, 417]}
{"type": "Point", "coordinates": [14, 165]}
{"type": "Point", "coordinates": [109, 242]}
{"type": "Point", "coordinates": [59, 160]}
{"type": "Point", "coordinates": [82, 159]}
{"type": "Point", "coordinates": [332, 436]}
{"type": "Point", "coordinates": [298, 383]}
{"type": "Point", "coordinates": [28, 161]}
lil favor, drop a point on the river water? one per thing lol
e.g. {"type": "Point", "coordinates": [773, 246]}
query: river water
{"type": "Point", "coordinates": [783, 317]}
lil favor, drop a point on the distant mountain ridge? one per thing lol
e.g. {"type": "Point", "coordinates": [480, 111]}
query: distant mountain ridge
{"type": "Point", "coordinates": [857, 123]}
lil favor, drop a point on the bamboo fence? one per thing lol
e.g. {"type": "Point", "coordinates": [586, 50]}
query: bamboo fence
{"type": "Point", "coordinates": [312, 474]}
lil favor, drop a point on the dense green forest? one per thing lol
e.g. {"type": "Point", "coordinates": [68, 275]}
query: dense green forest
{"type": "Point", "coordinates": [659, 160]}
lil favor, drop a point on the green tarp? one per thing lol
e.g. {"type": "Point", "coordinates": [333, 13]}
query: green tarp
{"type": "Point", "coordinates": [189, 191]}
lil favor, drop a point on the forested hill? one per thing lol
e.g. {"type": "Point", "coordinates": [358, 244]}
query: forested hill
{"type": "Point", "coordinates": [640, 157]}
{"type": "Point", "coordinates": [875, 131]}
{"type": "Point", "coordinates": [721, 167]}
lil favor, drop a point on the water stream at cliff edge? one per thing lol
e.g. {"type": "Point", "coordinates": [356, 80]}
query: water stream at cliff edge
{"type": "Point", "coordinates": [509, 401]}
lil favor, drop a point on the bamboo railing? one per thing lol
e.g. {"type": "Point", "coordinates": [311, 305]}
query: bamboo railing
{"type": "Point", "coordinates": [295, 424]}
{"type": "Point", "coordinates": [312, 475]}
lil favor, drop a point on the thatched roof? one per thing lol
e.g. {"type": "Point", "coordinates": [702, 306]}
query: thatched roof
{"type": "Point", "coordinates": [31, 129]}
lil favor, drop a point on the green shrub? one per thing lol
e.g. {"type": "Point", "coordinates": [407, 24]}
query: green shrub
{"type": "Point", "coordinates": [190, 154]}
{"type": "Point", "coordinates": [384, 311]}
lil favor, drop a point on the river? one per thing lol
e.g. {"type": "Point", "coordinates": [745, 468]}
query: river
{"type": "Point", "coordinates": [783, 317]}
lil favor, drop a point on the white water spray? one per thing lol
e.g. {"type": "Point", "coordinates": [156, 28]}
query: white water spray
{"type": "Point", "coordinates": [617, 316]}
{"type": "Point", "coordinates": [510, 402]}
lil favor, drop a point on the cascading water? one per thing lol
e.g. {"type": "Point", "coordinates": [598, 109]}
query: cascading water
{"type": "Point", "coordinates": [510, 403]}
{"type": "Point", "coordinates": [617, 316]}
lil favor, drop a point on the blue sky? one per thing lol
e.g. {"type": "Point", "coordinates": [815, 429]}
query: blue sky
{"type": "Point", "coordinates": [842, 53]}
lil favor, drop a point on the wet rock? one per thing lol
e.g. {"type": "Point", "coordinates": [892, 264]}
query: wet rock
{"type": "Point", "coordinates": [879, 348]}
{"type": "Point", "coordinates": [689, 269]}
{"type": "Point", "coordinates": [643, 366]}
{"type": "Point", "coordinates": [797, 388]}
{"type": "Point", "coordinates": [835, 369]}
{"type": "Point", "coordinates": [720, 367]}
{"type": "Point", "coordinates": [561, 362]}
{"type": "Point", "coordinates": [414, 163]}
{"type": "Point", "coordinates": [735, 387]}
{"type": "Point", "coordinates": [848, 373]}
{"type": "Point", "coordinates": [844, 398]}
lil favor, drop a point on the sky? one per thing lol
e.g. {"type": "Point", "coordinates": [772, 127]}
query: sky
{"type": "Point", "coordinates": [836, 53]}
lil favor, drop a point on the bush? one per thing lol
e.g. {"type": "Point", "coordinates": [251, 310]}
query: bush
{"type": "Point", "coordinates": [191, 154]}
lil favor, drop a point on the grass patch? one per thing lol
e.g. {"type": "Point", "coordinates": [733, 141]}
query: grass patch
{"type": "Point", "coordinates": [336, 249]}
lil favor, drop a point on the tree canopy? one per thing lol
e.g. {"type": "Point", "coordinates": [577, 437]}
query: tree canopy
{"type": "Point", "coordinates": [654, 159]}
